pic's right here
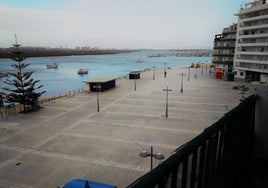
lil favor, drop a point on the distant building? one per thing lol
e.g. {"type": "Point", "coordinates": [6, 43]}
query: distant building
{"type": "Point", "coordinates": [224, 49]}
{"type": "Point", "coordinates": [251, 53]}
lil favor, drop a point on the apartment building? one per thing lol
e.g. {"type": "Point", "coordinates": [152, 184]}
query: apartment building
{"type": "Point", "coordinates": [251, 52]}
{"type": "Point", "coordinates": [224, 49]}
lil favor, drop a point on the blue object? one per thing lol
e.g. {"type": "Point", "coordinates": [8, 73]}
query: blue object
{"type": "Point", "coordinates": [79, 183]}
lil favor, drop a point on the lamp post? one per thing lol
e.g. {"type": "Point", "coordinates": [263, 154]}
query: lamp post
{"type": "Point", "coordinates": [182, 75]}
{"type": "Point", "coordinates": [243, 90]}
{"type": "Point", "coordinates": [153, 72]}
{"type": "Point", "coordinates": [167, 90]}
{"type": "Point", "coordinates": [157, 156]}
{"type": "Point", "coordinates": [189, 73]}
{"type": "Point", "coordinates": [97, 87]}
{"type": "Point", "coordinates": [165, 70]}
{"type": "Point", "coordinates": [135, 80]}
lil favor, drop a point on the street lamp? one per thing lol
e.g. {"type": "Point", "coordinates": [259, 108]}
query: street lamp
{"type": "Point", "coordinates": [182, 75]}
{"type": "Point", "coordinates": [165, 70]}
{"type": "Point", "coordinates": [167, 90]}
{"type": "Point", "coordinates": [153, 72]}
{"type": "Point", "coordinates": [189, 73]}
{"type": "Point", "coordinates": [157, 156]}
{"type": "Point", "coordinates": [243, 90]}
{"type": "Point", "coordinates": [97, 87]}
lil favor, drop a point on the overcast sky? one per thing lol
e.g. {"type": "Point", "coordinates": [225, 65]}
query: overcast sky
{"type": "Point", "coordinates": [152, 24]}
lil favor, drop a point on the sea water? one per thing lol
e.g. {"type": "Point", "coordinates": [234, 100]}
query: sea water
{"type": "Point", "coordinates": [65, 78]}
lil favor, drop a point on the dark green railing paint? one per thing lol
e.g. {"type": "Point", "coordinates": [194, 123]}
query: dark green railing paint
{"type": "Point", "coordinates": [213, 158]}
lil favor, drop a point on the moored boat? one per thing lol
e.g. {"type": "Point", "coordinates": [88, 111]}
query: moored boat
{"type": "Point", "coordinates": [52, 66]}
{"type": "Point", "coordinates": [139, 61]}
{"type": "Point", "coordinates": [82, 71]}
{"type": "Point", "coordinates": [3, 74]}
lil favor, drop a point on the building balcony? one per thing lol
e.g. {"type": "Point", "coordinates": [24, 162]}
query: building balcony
{"type": "Point", "coordinates": [223, 54]}
{"type": "Point", "coordinates": [251, 53]}
{"type": "Point", "coordinates": [257, 44]}
{"type": "Point", "coordinates": [222, 62]}
{"type": "Point", "coordinates": [259, 35]}
{"type": "Point", "coordinates": [224, 47]}
{"type": "Point", "coordinates": [250, 61]}
{"type": "Point", "coordinates": [221, 156]}
{"type": "Point", "coordinates": [248, 68]}
{"type": "Point", "coordinates": [228, 30]}
{"type": "Point", "coordinates": [261, 17]}
{"type": "Point", "coordinates": [252, 7]}
{"type": "Point", "coordinates": [253, 27]}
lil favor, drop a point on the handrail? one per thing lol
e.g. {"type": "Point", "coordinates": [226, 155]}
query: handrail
{"type": "Point", "coordinates": [212, 158]}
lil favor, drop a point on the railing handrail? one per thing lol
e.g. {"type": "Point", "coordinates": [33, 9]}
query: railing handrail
{"type": "Point", "coordinates": [169, 167]}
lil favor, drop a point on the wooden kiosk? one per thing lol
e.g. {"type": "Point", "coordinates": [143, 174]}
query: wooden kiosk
{"type": "Point", "coordinates": [100, 84]}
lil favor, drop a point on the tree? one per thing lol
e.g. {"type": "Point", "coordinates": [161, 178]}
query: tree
{"type": "Point", "coordinates": [22, 88]}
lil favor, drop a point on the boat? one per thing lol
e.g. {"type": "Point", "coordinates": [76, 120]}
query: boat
{"type": "Point", "coordinates": [3, 74]}
{"type": "Point", "coordinates": [52, 66]}
{"type": "Point", "coordinates": [82, 71]}
{"type": "Point", "coordinates": [139, 61]}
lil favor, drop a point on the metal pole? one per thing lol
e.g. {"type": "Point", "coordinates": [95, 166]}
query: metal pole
{"type": "Point", "coordinates": [167, 90]}
{"type": "Point", "coordinates": [165, 71]}
{"type": "Point", "coordinates": [151, 157]}
{"type": "Point", "coordinates": [157, 156]}
{"type": "Point", "coordinates": [167, 103]}
{"type": "Point", "coordinates": [98, 105]}
{"type": "Point", "coordinates": [189, 74]}
{"type": "Point", "coordinates": [153, 73]}
{"type": "Point", "coordinates": [135, 82]}
{"type": "Point", "coordinates": [181, 83]}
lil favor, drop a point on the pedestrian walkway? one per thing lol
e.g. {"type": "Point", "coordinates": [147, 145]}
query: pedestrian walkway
{"type": "Point", "coordinates": [67, 138]}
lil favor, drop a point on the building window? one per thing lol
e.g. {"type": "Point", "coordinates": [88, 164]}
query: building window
{"type": "Point", "coordinates": [241, 73]}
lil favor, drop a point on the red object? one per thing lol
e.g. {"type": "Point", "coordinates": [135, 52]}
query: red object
{"type": "Point", "coordinates": [218, 73]}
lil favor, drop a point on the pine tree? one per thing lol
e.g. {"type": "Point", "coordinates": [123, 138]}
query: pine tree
{"type": "Point", "coordinates": [21, 87]}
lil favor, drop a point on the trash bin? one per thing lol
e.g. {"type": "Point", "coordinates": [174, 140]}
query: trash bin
{"type": "Point", "coordinates": [230, 76]}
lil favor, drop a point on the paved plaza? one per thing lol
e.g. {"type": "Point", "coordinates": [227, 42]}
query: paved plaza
{"type": "Point", "coordinates": [68, 138]}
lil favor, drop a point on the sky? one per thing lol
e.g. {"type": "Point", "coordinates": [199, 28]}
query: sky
{"type": "Point", "coordinates": [132, 24]}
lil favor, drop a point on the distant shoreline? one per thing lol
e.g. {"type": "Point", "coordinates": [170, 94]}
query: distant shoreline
{"type": "Point", "coordinates": [60, 52]}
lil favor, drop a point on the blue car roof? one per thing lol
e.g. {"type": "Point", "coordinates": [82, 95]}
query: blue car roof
{"type": "Point", "coordinates": [80, 183]}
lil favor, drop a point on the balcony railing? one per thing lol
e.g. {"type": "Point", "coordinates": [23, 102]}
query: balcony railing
{"type": "Point", "coordinates": [212, 158]}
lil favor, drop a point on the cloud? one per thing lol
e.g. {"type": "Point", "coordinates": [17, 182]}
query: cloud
{"type": "Point", "coordinates": [114, 23]}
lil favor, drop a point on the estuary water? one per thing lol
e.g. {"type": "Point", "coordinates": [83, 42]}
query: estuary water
{"type": "Point", "coordinates": [65, 78]}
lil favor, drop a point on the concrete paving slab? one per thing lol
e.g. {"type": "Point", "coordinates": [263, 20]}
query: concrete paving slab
{"type": "Point", "coordinates": [68, 138]}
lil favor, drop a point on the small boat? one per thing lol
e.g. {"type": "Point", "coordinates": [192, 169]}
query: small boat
{"type": "Point", "coordinates": [3, 74]}
{"type": "Point", "coordinates": [52, 66]}
{"type": "Point", "coordinates": [139, 61]}
{"type": "Point", "coordinates": [82, 71]}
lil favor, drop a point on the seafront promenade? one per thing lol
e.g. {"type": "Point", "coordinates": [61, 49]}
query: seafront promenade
{"type": "Point", "coordinates": [67, 138]}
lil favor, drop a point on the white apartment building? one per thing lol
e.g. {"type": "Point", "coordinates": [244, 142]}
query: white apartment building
{"type": "Point", "coordinates": [251, 51]}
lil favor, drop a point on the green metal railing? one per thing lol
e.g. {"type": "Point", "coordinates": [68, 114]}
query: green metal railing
{"type": "Point", "coordinates": [213, 158]}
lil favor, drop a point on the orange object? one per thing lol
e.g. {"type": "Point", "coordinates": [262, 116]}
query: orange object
{"type": "Point", "coordinates": [218, 73]}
